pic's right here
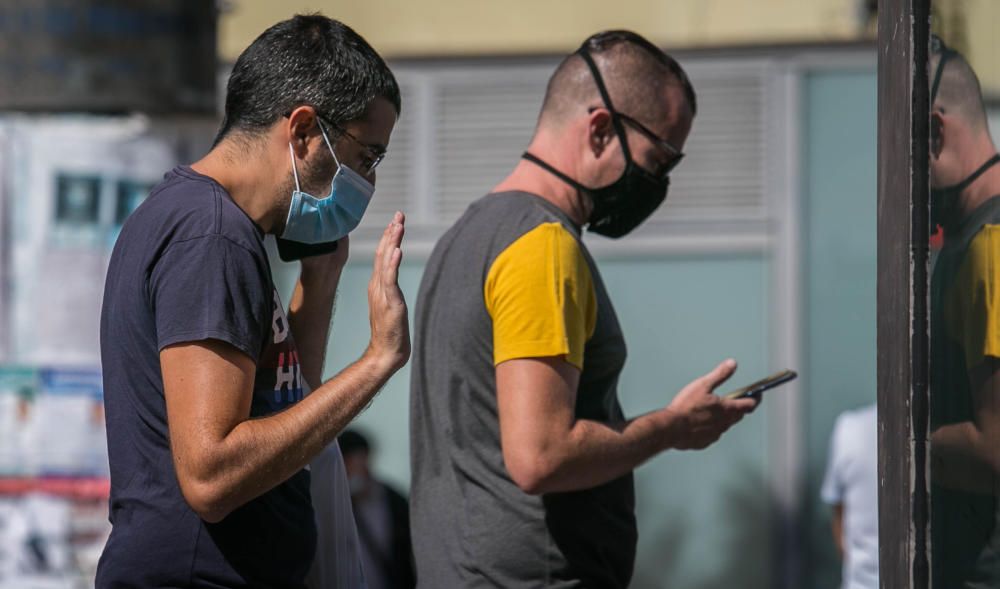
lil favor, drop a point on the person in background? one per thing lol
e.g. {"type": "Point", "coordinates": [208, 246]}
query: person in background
{"type": "Point", "coordinates": [850, 488]}
{"type": "Point", "coordinates": [965, 330]}
{"type": "Point", "coordinates": [382, 515]}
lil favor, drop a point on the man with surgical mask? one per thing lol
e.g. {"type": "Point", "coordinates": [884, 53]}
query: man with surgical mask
{"type": "Point", "coordinates": [965, 330]}
{"type": "Point", "coordinates": [215, 399]}
{"type": "Point", "coordinates": [521, 456]}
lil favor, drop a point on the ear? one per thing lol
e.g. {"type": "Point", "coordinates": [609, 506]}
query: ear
{"type": "Point", "coordinates": [937, 134]}
{"type": "Point", "coordinates": [299, 127]}
{"type": "Point", "coordinates": [600, 130]}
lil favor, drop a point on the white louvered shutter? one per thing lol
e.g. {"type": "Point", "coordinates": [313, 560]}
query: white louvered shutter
{"type": "Point", "coordinates": [722, 175]}
{"type": "Point", "coordinates": [484, 120]}
{"type": "Point", "coordinates": [464, 127]}
{"type": "Point", "coordinates": [394, 184]}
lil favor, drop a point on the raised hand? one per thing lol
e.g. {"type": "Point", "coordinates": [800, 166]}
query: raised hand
{"type": "Point", "coordinates": [390, 339]}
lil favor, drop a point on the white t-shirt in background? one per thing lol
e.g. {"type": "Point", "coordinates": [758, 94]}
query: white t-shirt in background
{"type": "Point", "coordinates": [852, 480]}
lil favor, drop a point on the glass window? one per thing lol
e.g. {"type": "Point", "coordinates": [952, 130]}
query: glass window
{"type": "Point", "coordinates": [77, 199]}
{"type": "Point", "coordinates": [130, 195]}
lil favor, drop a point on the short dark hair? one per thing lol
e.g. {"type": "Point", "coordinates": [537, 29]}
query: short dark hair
{"type": "Point", "coordinates": [353, 441]}
{"type": "Point", "coordinates": [634, 70]}
{"type": "Point", "coordinates": [305, 60]}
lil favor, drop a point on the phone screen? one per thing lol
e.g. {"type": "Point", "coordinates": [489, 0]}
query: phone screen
{"type": "Point", "coordinates": [763, 384]}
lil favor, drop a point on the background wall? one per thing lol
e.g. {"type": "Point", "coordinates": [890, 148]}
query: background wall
{"type": "Point", "coordinates": [444, 27]}
{"type": "Point", "coordinates": [683, 313]}
{"type": "Point", "coordinates": [839, 205]}
{"type": "Point", "coordinates": [404, 28]}
{"type": "Point", "coordinates": [685, 302]}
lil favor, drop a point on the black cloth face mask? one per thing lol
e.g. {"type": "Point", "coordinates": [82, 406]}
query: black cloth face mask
{"type": "Point", "coordinates": [944, 200]}
{"type": "Point", "coordinates": [624, 204]}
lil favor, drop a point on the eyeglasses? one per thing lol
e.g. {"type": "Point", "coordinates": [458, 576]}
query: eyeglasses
{"type": "Point", "coordinates": [939, 48]}
{"type": "Point", "coordinates": [374, 155]}
{"type": "Point", "coordinates": [672, 152]}
{"type": "Point", "coordinates": [675, 154]}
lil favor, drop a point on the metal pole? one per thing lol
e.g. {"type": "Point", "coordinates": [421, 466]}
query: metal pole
{"type": "Point", "coordinates": [903, 151]}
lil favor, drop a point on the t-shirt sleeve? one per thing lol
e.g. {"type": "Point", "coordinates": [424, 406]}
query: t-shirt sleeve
{"type": "Point", "coordinates": [833, 489]}
{"type": "Point", "coordinates": [976, 302]}
{"type": "Point", "coordinates": [211, 288]}
{"type": "Point", "coordinates": [540, 295]}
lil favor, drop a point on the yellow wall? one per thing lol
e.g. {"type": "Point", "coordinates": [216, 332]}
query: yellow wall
{"type": "Point", "coordinates": [981, 39]}
{"type": "Point", "coordinates": [441, 27]}
{"type": "Point", "coordinates": [402, 28]}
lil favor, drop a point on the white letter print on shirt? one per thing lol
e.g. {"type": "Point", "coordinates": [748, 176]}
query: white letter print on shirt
{"type": "Point", "coordinates": [279, 324]}
{"type": "Point", "coordinates": [288, 372]}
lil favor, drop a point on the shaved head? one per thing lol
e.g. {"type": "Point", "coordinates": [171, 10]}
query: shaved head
{"type": "Point", "coordinates": [958, 91]}
{"type": "Point", "coordinates": [636, 74]}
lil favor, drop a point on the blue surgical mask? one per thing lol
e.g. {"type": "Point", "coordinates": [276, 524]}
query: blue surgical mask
{"type": "Point", "coordinates": [328, 218]}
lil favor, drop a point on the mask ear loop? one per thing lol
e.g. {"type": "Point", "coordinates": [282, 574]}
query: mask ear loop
{"type": "Point", "coordinates": [295, 172]}
{"type": "Point", "coordinates": [322, 132]}
{"type": "Point", "coordinates": [291, 153]}
{"type": "Point", "coordinates": [606, 98]}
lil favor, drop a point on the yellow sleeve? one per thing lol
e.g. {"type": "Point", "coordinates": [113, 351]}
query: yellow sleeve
{"type": "Point", "coordinates": [976, 300]}
{"type": "Point", "coordinates": [540, 295]}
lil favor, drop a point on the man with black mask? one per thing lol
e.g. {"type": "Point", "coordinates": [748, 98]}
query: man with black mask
{"type": "Point", "coordinates": [965, 330]}
{"type": "Point", "coordinates": [521, 456]}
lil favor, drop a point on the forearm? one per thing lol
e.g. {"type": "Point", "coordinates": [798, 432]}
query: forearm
{"type": "Point", "coordinates": [964, 457]}
{"type": "Point", "coordinates": [837, 528]}
{"type": "Point", "coordinates": [259, 454]}
{"type": "Point", "coordinates": [594, 453]}
{"type": "Point", "coordinates": [547, 449]}
{"type": "Point", "coordinates": [310, 314]}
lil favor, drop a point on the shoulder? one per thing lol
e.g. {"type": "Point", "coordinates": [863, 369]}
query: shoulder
{"type": "Point", "coordinates": [851, 425]}
{"type": "Point", "coordinates": [550, 235]}
{"type": "Point", "coordinates": [984, 247]}
{"type": "Point", "coordinates": [547, 249]}
{"type": "Point", "coordinates": [490, 225]}
{"type": "Point", "coordinates": [186, 207]}
{"type": "Point", "coordinates": [516, 217]}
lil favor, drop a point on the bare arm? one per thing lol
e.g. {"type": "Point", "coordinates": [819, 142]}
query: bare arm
{"type": "Point", "coordinates": [546, 449]}
{"type": "Point", "coordinates": [837, 527]}
{"type": "Point", "coordinates": [310, 311]}
{"type": "Point", "coordinates": [224, 459]}
{"type": "Point", "coordinates": [966, 455]}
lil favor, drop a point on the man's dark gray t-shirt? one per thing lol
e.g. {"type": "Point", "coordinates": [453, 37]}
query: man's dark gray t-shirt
{"type": "Point", "coordinates": [190, 265]}
{"type": "Point", "coordinates": [472, 525]}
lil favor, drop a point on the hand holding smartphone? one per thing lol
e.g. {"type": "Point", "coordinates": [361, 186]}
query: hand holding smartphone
{"type": "Point", "coordinates": [756, 388]}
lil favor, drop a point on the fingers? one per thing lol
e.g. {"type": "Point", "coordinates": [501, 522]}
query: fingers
{"type": "Point", "coordinates": [377, 265]}
{"type": "Point", "coordinates": [391, 238]}
{"type": "Point", "coordinates": [736, 409]}
{"type": "Point", "coordinates": [744, 405]}
{"type": "Point", "coordinates": [393, 254]}
{"type": "Point", "coordinates": [390, 276]}
{"type": "Point", "coordinates": [721, 373]}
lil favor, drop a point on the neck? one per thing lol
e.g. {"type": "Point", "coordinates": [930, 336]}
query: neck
{"type": "Point", "coordinates": [530, 177]}
{"type": "Point", "coordinates": [247, 177]}
{"type": "Point", "coordinates": [984, 187]}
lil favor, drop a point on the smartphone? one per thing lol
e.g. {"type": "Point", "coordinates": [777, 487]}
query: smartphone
{"type": "Point", "coordinates": [754, 389]}
{"type": "Point", "coordinates": [289, 251]}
